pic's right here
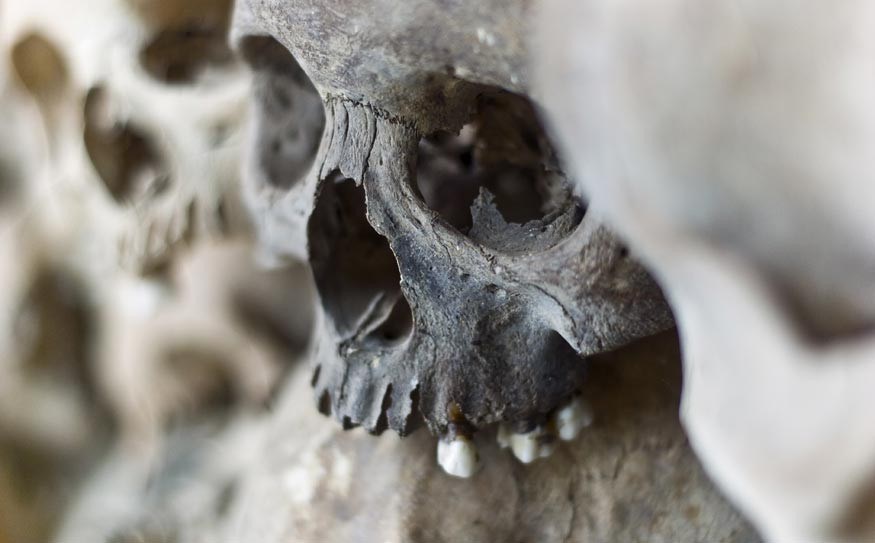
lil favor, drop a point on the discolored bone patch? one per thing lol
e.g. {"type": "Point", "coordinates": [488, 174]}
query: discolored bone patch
{"type": "Point", "coordinates": [180, 55]}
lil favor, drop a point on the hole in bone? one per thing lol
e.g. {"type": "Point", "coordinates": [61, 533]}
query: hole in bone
{"type": "Point", "coordinates": [275, 305]}
{"type": "Point", "coordinates": [53, 329]}
{"type": "Point", "coordinates": [39, 65]}
{"type": "Point", "coordinates": [414, 419]}
{"type": "Point", "coordinates": [173, 13]}
{"type": "Point", "coordinates": [397, 325]}
{"type": "Point", "coordinates": [383, 420]}
{"type": "Point", "coordinates": [287, 111]}
{"type": "Point", "coordinates": [194, 383]}
{"type": "Point", "coordinates": [823, 312]}
{"type": "Point", "coordinates": [504, 150]}
{"type": "Point", "coordinates": [324, 404]}
{"type": "Point", "coordinates": [123, 157]}
{"type": "Point", "coordinates": [356, 274]}
{"type": "Point", "coordinates": [191, 39]}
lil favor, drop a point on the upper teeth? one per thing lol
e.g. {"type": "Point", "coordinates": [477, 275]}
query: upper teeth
{"type": "Point", "coordinates": [572, 418]}
{"type": "Point", "coordinates": [458, 457]}
{"type": "Point", "coordinates": [528, 446]}
{"type": "Point", "coordinates": [566, 422]}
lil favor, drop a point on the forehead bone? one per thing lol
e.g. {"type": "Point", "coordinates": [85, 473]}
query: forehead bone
{"type": "Point", "coordinates": [415, 59]}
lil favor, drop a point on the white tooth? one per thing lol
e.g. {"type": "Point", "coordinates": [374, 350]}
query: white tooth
{"type": "Point", "coordinates": [458, 457]}
{"type": "Point", "coordinates": [572, 418]}
{"type": "Point", "coordinates": [524, 447]}
{"type": "Point", "coordinates": [529, 447]}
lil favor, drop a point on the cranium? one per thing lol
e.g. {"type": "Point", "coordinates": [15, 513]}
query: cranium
{"type": "Point", "coordinates": [732, 143]}
{"type": "Point", "coordinates": [465, 317]}
{"type": "Point", "coordinates": [109, 106]}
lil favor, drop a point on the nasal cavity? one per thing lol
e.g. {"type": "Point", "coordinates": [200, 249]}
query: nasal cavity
{"type": "Point", "coordinates": [124, 158]}
{"type": "Point", "coordinates": [356, 273]}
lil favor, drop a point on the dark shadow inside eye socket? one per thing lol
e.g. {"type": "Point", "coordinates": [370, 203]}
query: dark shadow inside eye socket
{"type": "Point", "coordinates": [288, 112]}
{"type": "Point", "coordinates": [190, 38]}
{"type": "Point", "coordinates": [354, 268]}
{"type": "Point", "coordinates": [179, 56]}
{"type": "Point", "coordinates": [55, 328]}
{"type": "Point", "coordinates": [397, 326]}
{"type": "Point", "coordinates": [503, 150]}
{"type": "Point", "coordinates": [39, 65]}
{"type": "Point", "coordinates": [123, 157]}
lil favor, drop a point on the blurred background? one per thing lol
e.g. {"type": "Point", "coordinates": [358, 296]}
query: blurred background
{"type": "Point", "coordinates": [133, 318]}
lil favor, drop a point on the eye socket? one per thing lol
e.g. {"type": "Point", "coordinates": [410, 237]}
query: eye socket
{"type": "Point", "coordinates": [123, 157]}
{"type": "Point", "coordinates": [39, 65]}
{"type": "Point", "coordinates": [190, 38]}
{"type": "Point", "coordinates": [501, 160]}
{"type": "Point", "coordinates": [179, 56]}
{"type": "Point", "coordinates": [287, 110]}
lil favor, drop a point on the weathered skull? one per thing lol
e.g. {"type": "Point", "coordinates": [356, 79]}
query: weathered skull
{"type": "Point", "coordinates": [459, 277]}
{"type": "Point", "coordinates": [733, 144]}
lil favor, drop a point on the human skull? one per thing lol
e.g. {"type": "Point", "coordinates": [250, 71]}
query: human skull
{"type": "Point", "coordinates": [140, 106]}
{"type": "Point", "coordinates": [108, 101]}
{"type": "Point", "coordinates": [460, 279]}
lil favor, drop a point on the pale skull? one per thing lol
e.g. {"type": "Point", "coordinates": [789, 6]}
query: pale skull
{"type": "Point", "coordinates": [732, 143]}
{"type": "Point", "coordinates": [131, 199]}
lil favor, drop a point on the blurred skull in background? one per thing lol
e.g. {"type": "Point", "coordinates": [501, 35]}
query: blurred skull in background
{"type": "Point", "coordinates": [733, 144]}
{"type": "Point", "coordinates": [129, 295]}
